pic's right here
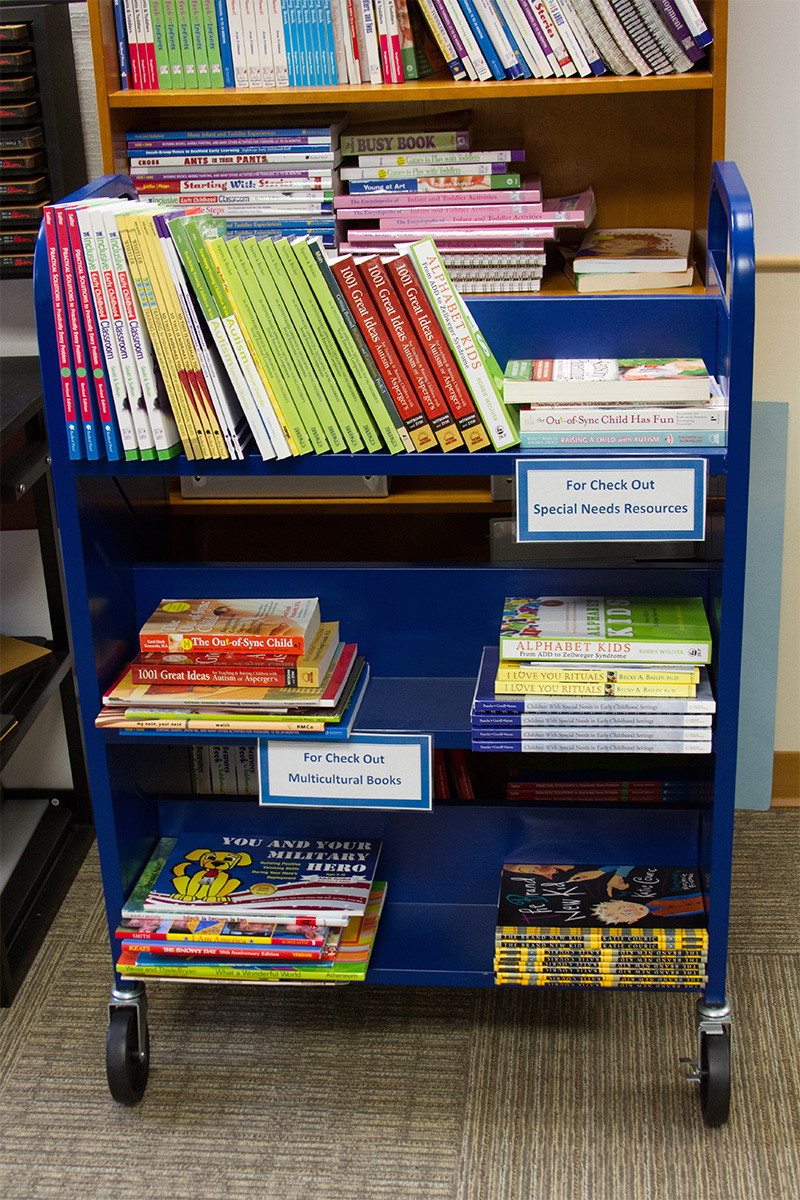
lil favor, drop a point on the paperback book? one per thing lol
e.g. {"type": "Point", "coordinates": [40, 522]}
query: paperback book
{"type": "Point", "coordinates": [244, 625]}
{"type": "Point", "coordinates": [606, 381]}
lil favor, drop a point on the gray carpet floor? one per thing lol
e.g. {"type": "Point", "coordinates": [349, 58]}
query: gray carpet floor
{"type": "Point", "coordinates": [369, 1093]}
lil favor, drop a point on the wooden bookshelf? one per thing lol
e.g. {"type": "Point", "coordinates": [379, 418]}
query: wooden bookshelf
{"type": "Point", "coordinates": [646, 145]}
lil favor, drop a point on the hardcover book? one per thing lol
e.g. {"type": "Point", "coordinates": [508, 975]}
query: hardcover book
{"type": "Point", "coordinates": [244, 625]}
{"type": "Point", "coordinates": [605, 628]}
{"type": "Point", "coordinates": [274, 878]}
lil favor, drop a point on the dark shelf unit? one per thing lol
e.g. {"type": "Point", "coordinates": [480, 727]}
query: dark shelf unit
{"type": "Point", "coordinates": [48, 864]}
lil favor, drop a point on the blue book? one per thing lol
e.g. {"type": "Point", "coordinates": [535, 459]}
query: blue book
{"type": "Point", "coordinates": [123, 52]}
{"type": "Point", "coordinates": [224, 44]}
{"type": "Point", "coordinates": [524, 70]}
{"type": "Point", "coordinates": [485, 43]}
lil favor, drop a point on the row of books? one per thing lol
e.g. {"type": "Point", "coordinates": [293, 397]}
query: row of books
{"type": "Point", "coordinates": [601, 925]}
{"type": "Point", "coordinates": [264, 666]}
{"type": "Point", "coordinates": [253, 909]}
{"type": "Point", "coordinates": [578, 674]}
{"type": "Point", "coordinates": [192, 338]}
{"type": "Point", "coordinates": [605, 403]}
{"type": "Point", "coordinates": [24, 178]}
{"type": "Point", "coordinates": [287, 43]}
{"type": "Point", "coordinates": [628, 260]}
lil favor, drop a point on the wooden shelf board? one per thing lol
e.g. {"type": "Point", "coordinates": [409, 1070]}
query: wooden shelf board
{"type": "Point", "coordinates": [424, 90]}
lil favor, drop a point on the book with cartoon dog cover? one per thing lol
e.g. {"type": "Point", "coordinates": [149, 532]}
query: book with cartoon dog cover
{"type": "Point", "coordinates": [325, 880]}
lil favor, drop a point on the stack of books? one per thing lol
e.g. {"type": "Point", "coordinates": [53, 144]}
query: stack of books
{"type": "Point", "coordinates": [24, 184]}
{"type": "Point", "coordinates": [278, 181]}
{"type": "Point", "coordinates": [604, 403]}
{"type": "Point", "coordinates": [629, 260]}
{"type": "Point", "coordinates": [601, 926]}
{"type": "Point", "coordinates": [176, 334]}
{"type": "Point", "coordinates": [596, 674]}
{"type": "Point", "coordinates": [262, 665]}
{"type": "Point", "coordinates": [253, 909]}
{"type": "Point", "coordinates": [410, 179]}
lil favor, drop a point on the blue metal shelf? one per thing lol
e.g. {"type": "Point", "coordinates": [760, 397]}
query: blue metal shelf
{"type": "Point", "coordinates": [421, 628]}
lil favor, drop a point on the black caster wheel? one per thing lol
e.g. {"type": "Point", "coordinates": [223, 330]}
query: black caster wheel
{"type": "Point", "coordinates": [127, 1064]}
{"type": "Point", "coordinates": [715, 1077]}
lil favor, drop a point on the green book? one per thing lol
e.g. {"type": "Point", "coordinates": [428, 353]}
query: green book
{"type": "Point", "coordinates": [354, 348]}
{"type": "Point", "coordinates": [311, 363]}
{"type": "Point", "coordinates": [210, 311]}
{"type": "Point", "coordinates": [275, 323]}
{"type": "Point", "coordinates": [257, 319]}
{"type": "Point", "coordinates": [354, 421]}
{"type": "Point", "coordinates": [605, 628]}
{"type": "Point", "coordinates": [198, 229]}
{"type": "Point", "coordinates": [197, 26]}
{"type": "Point", "coordinates": [185, 43]}
{"type": "Point", "coordinates": [211, 34]}
{"type": "Point", "coordinates": [172, 34]}
{"type": "Point", "coordinates": [159, 26]}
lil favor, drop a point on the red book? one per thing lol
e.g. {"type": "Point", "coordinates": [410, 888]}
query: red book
{"type": "Point", "coordinates": [435, 347]}
{"type": "Point", "coordinates": [380, 345]}
{"type": "Point", "coordinates": [74, 431]}
{"type": "Point", "coordinates": [410, 352]}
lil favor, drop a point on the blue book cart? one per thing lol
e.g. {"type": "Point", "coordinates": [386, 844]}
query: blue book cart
{"type": "Point", "coordinates": [421, 628]}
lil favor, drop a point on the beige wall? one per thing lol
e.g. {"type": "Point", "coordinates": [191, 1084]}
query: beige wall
{"type": "Point", "coordinates": [777, 377]}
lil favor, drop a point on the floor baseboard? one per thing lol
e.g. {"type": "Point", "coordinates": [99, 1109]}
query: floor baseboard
{"type": "Point", "coordinates": [786, 779]}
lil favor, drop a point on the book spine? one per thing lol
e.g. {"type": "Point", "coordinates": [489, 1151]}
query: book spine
{"type": "Point", "coordinates": [149, 43]}
{"type": "Point", "coordinates": [215, 676]}
{"type": "Point", "coordinates": [581, 35]}
{"type": "Point", "coordinates": [185, 43]}
{"type": "Point", "coordinates": [435, 347]}
{"type": "Point", "coordinates": [524, 686]}
{"type": "Point", "coordinates": [598, 31]}
{"type": "Point", "coordinates": [498, 35]}
{"type": "Point", "coordinates": [372, 53]}
{"type": "Point", "coordinates": [530, 440]}
{"type": "Point", "coordinates": [155, 321]}
{"type": "Point", "coordinates": [208, 306]}
{"type": "Point", "coordinates": [123, 48]}
{"type": "Point", "coordinates": [568, 37]}
{"type": "Point", "coordinates": [440, 23]}
{"type": "Point", "coordinates": [475, 360]}
{"type": "Point", "coordinates": [75, 443]}
{"type": "Point", "coordinates": [133, 44]}
{"type": "Point", "coordinates": [445, 216]}
{"type": "Point", "coordinates": [224, 37]}
{"type": "Point", "coordinates": [410, 353]}
{"type": "Point", "coordinates": [483, 41]}
{"type": "Point", "coordinates": [615, 27]}
{"type": "Point", "coordinates": [156, 430]}
{"type": "Point", "coordinates": [91, 432]}
{"type": "Point", "coordinates": [95, 354]}
{"type": "Point", "coordinates": [641, 37]}
{"type": "Point", "coordinates": [383, 39]}
{"type": "Point", "coordinates": [377, 339]}
{"type": "Point", "coordinates": [398, 73]}
{"type": "Point", "coordinates": [443, 183]}
{"type": "Point", "coordinates": [172, 35]}
{"type": "Point", "coordinates": [264, 400]}
{"type": "Point", "coordinates": [243, 298]}
{"type": "Point", "coordinates": [236, 32]}
{"type": "Point", "coordinates": [673, 20]}
{"type": "Point", "coordinates": [107, 337]}
{"type": "Point", "coordinates": [289, 355]}
{"type": "Point", "coordinates": [694, 21]}
{"type": "Point", "coordinates": [662, 34]}
{"type": "Point", "coordinates": [529, 47]}
{"type": "Point", "coordinates": [576, 746]}
{"type": "Point", "coordinates": [213, 46]}
{"type": "Point", "coordinates": [280, 59]}
{"type": "Point", "coordinates": [587, 721]}
{"type": "Point", "coordinates": [351, 342]}
{"type": "Point", "coordinates": [349, 409]}
{"type": "Point", "coordinates": [160, 43]}
{"type": "Point", "coordinates": [408, 56]}
{"type": "Point", "coordinates": [551, 32]}
{"type": "Point", "coordinates": [302, 344]}
{"type": "Point", "coordinates": [346, 63]}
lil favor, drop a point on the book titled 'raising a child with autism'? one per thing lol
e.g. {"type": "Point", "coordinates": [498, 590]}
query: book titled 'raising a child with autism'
{"type": "Point", "coordinates": [274, 878]}
{"type": "Point", "coordinates": [246, 626]}
{"type": "Point", "coordinates": [605, 628]}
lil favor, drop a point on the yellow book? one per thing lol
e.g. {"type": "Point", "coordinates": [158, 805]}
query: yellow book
{"type": "Point", "coordinates": [154, 319]}
{"type": "Point", "coordinates": [594, 673]}
{"type": "Point", "coordinates": [533, 687]}
{"type": "Point", "coordinates": [185, 350]}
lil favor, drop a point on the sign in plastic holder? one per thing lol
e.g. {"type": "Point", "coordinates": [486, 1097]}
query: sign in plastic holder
{"type": "Point", "coordinates": [391, 771]}
{"type": "Point", "coordinates": [611, 499]}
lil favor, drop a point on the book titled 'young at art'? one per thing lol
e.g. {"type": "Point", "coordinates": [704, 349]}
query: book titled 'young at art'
{"type": "Point", "coordinates": [326, 880]}
{"type": "Point", "coordinates": [244, 625]}
{"type": "Point", "coordinates": [605, 628]}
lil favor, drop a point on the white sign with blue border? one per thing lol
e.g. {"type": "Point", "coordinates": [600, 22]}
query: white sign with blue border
{"type": "Point", "coordinates": [611, 499]}
{"type": "Point", "coordinates": [369, 770]}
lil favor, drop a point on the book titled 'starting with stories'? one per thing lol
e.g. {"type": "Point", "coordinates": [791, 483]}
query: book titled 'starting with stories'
{"type": "Point", "coordinates": [326, 880]}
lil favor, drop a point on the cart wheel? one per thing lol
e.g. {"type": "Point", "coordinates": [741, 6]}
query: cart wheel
{"type": "Point", "coordinates": [126, 1067]}
{"type": "Point", "coordinates": [715, 1077]}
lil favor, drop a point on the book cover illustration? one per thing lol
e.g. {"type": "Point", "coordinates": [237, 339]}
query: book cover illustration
{"type": "Point", "coordinates": [605, 627]}
{"type": "Point", "coordinates": [227, 875]}
{"type": "Point", "coordinates": [541, 896]}
{"type": "Point", "coordinates": [246, 625]}
{"type": "Point", "coordinates": [634, 250]}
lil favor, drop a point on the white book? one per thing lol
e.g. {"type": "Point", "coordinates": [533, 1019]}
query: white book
{"type": "Point", "coordinates": [251, 43]}
{"type": "Point", "coordinates": [264, 31]}
{"type": "Point", "coordinates": [280, 55]}
{"type": "Point", "coordinates": [382, 25]}
{"type": "Point", "coordinates": [398, 74]}
{"type": "Point", "coordinates": [107, 316]}
{"type": "Point", "coordinates": [474, 53]}
{"type": "Point", "coordinates": [497, 36]}
{"type": "Point", "coordinates": [236, 32]}
{"type": "Point", "coordinates": [344, 8]}
{"type": "Point", "coordinates": [368, 42]}
{"type": "Point", "coordinates": [550, 31]}
{"type": "Point", "coordinates": [694, 21]}
{"type": "Point", "coordinates": [548, 58]}
{"type": "Point", "coordinates": [340, 42]}
{"type": "Point", "coordinates": [529, 48]}
{"type": "Point", "coordinates": [593, 56]}
{"type": "Point", "coordinates": [569, 39]}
